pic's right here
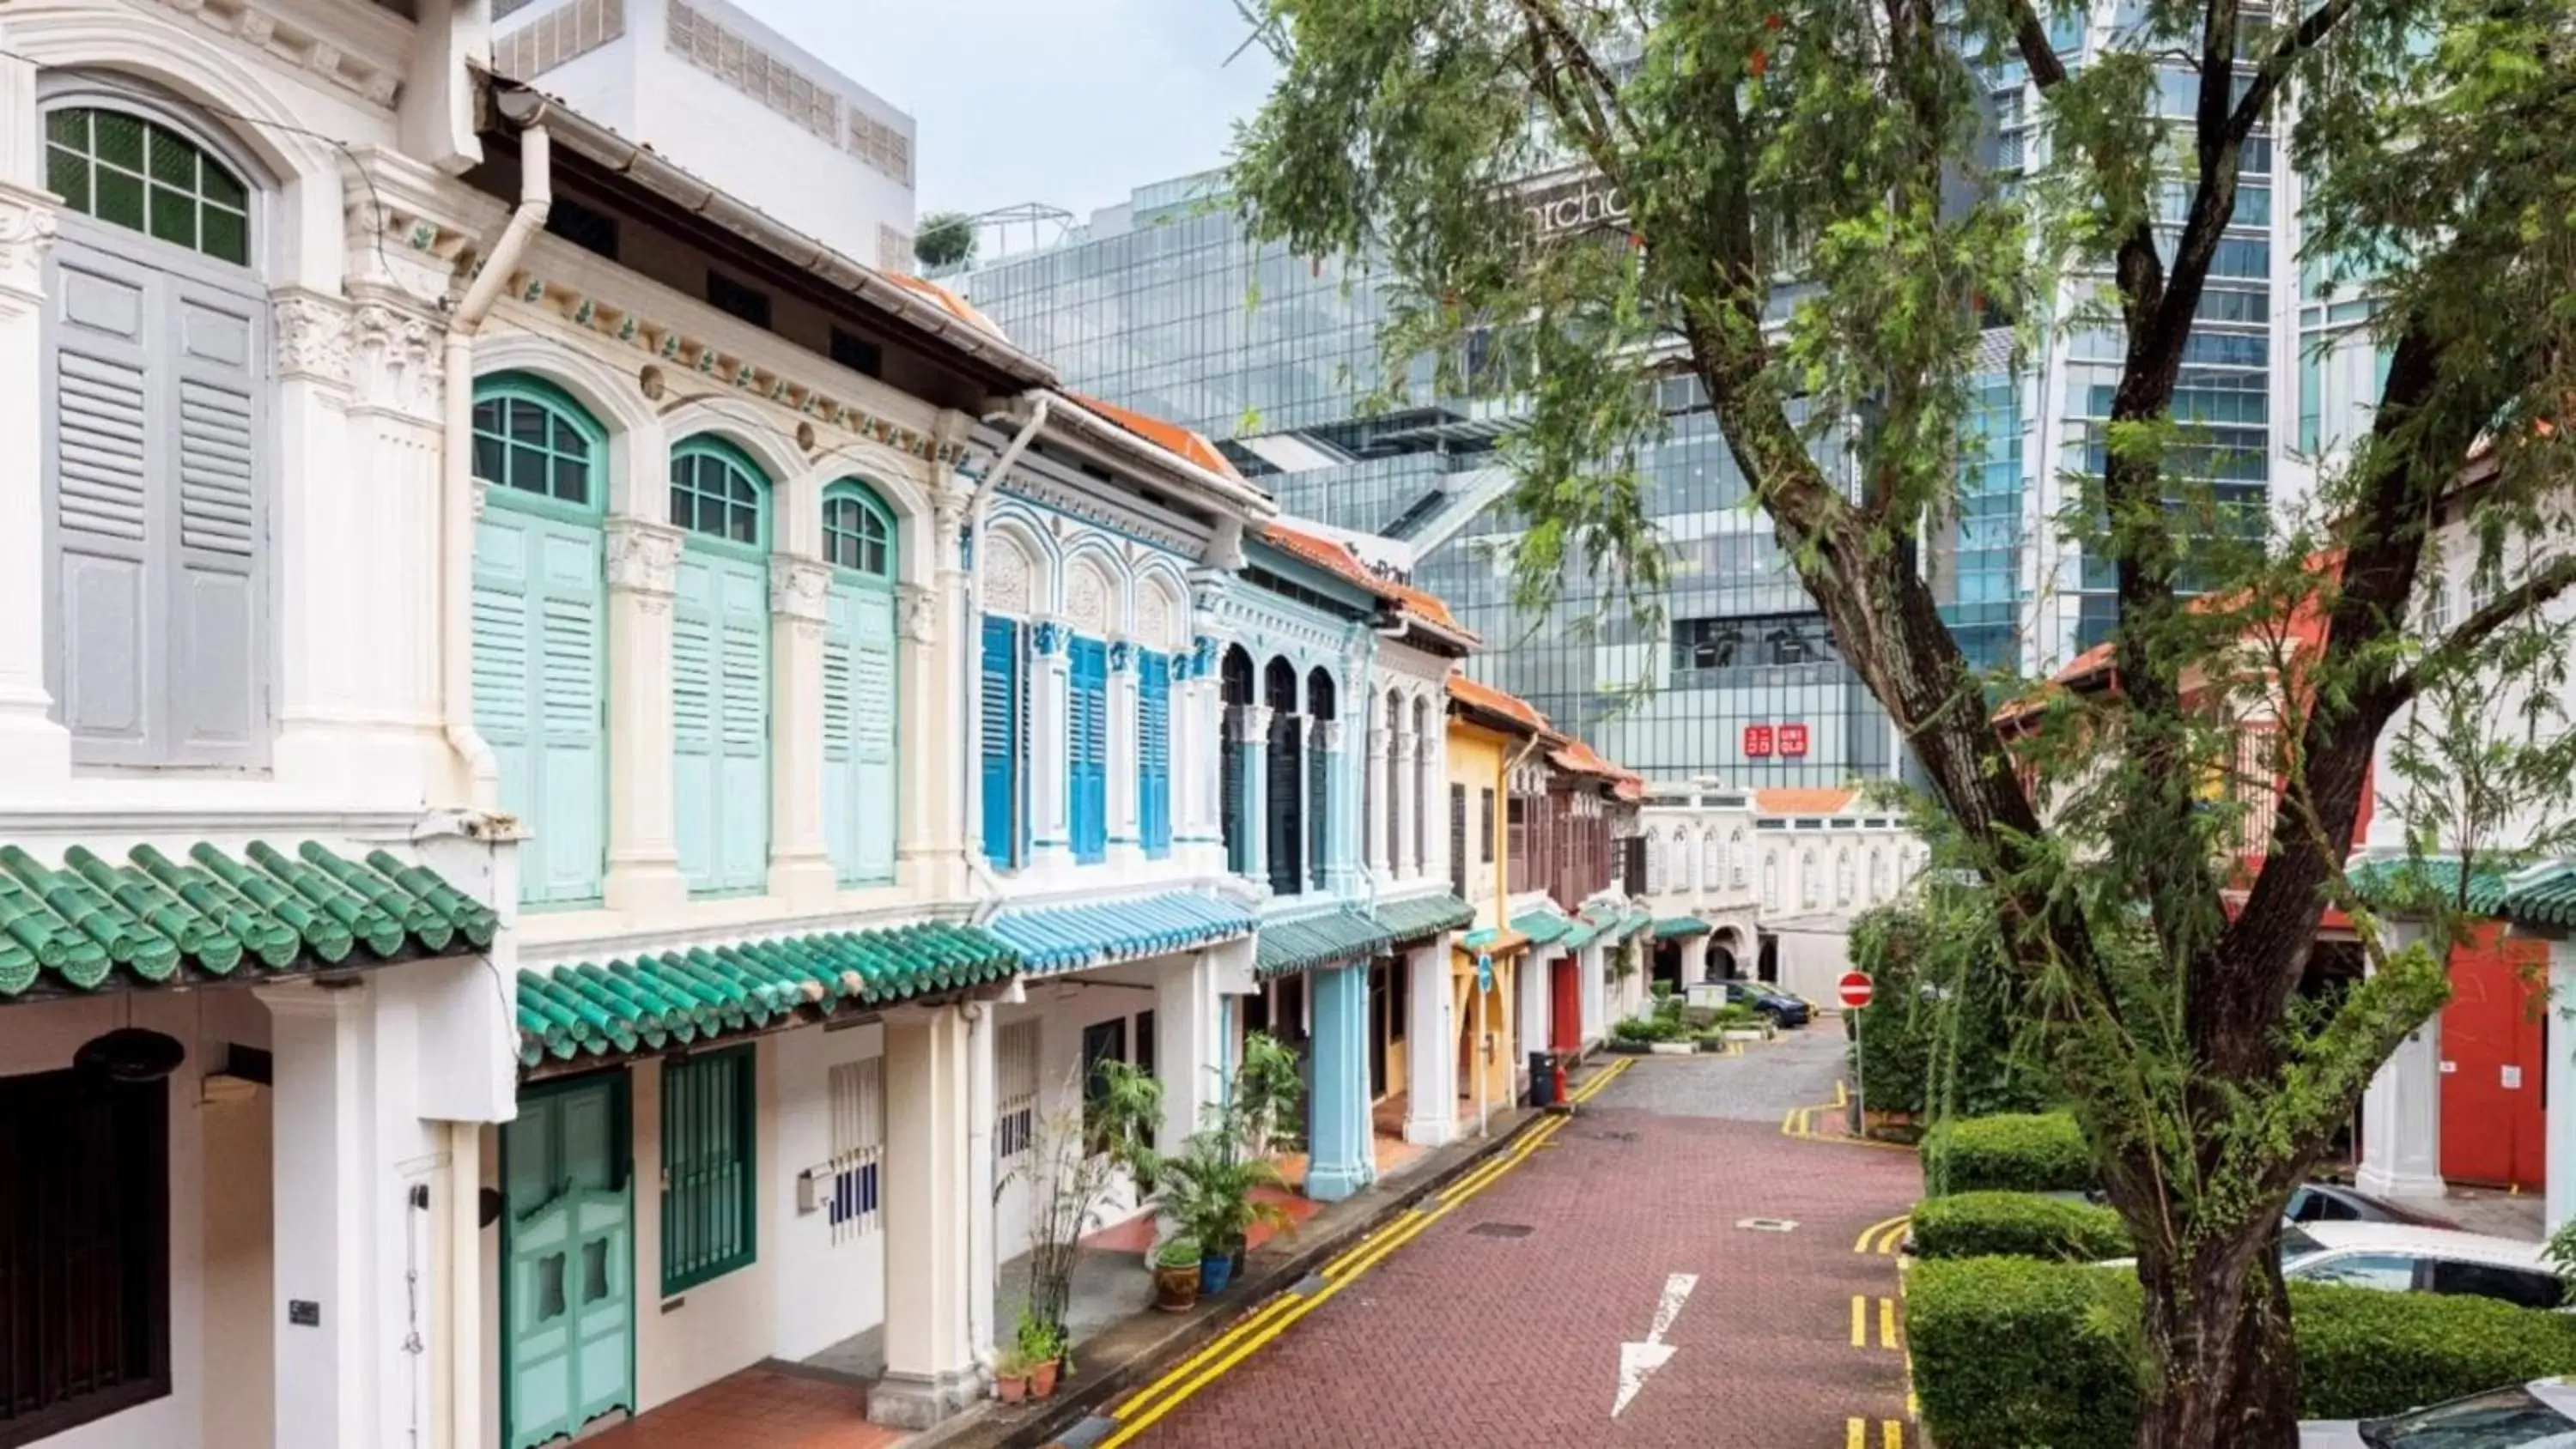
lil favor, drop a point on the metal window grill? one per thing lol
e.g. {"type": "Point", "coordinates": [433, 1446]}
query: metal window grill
{"type": "Point", "coordinates": [857, 1091]}
{"type": "Point", "coordinates": [1016, 1071]}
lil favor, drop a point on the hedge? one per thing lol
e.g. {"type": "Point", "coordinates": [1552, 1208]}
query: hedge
{"type": "Point", "coordinates": [2017, 1224]}
{"type": "Point", "coordinates": [2014, 1353]}
{"type": "Point", "coordinates": [2014, 1152]}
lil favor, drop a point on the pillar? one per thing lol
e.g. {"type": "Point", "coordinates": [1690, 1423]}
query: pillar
{"type": "Point", "coordinates": [643, 846]}
{"type": "Point", "coordinates": [1374, 827]}
{"type": "Point", "coordinates": [2558, 1129]}
{"type": "Point", "coordinates": [34, 750]}
{"type": "Point", "coordinates": [983, 1253]}
{"type": "Point", "coordinates": [1187, 1030]}
{"type": "Point", "coordinates": [1252, 741]}
{"type": "Point", "coordinates": [1695, 959]}
{"type": "Point", "coordinates": [1340, 1158]}
{"type": "Point", "coordinates": [1532, 1006]}
{"type": "Point", "coordinates": [320, 1212]}
{"type": "Point", "coordinates": [1126, 829]}
{"type": "Point", "coordinates": [1404, 820]}
{"type": "Point", "coordinates": [929, 1201]}
{"type": "Point", "coordinates": [930, 823]}
{"type": "Point", "coordinates": [1595, 993]}
{"type": "Point", "coordinates": [1050, 702]}
{"type": "Point", "coordinates": [800, 864]}
{"type": "Point", "coordinates": [1431, 1059]}
{"type": "Point", "coordinates": [2401, 1110]}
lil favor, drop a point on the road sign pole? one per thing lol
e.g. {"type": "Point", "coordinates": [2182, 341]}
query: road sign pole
{"type": "Point", "coordinates": [1860, 1082]}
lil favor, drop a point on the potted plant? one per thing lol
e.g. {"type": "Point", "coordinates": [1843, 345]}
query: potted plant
{"type": "Point", "coordinates": [1081, 1156]}
{"type": "Point", "coordinates": [1176, 1274]}
{"type": "Point", "coordinates": [1040, 1344]}
{"type": "Point", "coordinates": [1010, 1375]}
{"type": "Point", "coordinates": [1209, 1189]}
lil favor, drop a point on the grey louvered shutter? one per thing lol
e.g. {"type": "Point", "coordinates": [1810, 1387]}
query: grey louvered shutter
{"type": "Point", "coordinates": [219, 707]}
{"type": "Point", "coordinates": [100, 478]}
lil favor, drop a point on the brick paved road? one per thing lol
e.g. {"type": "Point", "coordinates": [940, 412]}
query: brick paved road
{"type": "Point", "coordinates": [1471, 1338]}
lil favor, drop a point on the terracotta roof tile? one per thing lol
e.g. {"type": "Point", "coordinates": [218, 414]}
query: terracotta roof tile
{"type": "Point", "coordinates": [1170, 437]}
{"type": "Point", "coordinates": [1494, 701]}
{"type": "Point", "coordinates": [1829, 801]}
{"type": "Point", "coordinates": [1326, 554]}
{"type": "Point", "coordinates": [957, 306]}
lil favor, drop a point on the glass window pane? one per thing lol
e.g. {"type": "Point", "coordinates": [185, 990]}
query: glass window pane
{"type": "Point", "coordinates": [223, 188]}
{"type": "Point", "coordinates": [527, 424]}
{"type": "Point", "coordinates": [746, 526]}
{"type": "Point", "coordinates": [120, 198]}
{"type": "Point", "coordinates": [70, 127]}
{"type": "Point", "coordinates": [572, 480]}
{"type": "Point", "coordinates": [174, 216]}
{"type": "Point", "coordinates": [487, 459]}
{"type": "Point", "coordinates": [120, 140]}
{"type": "Point", "coordinates": [682, 508]}
{"type": "Point", "coordinates": [173, 160]}
{"type": "Point", "coordinates": [224, 236]}
{"type": "Point", "coordinates": [875, 557]}
{"type": "Point", "coordinates": [568, 439]}
{"type": "Point", "coordinates": [528, 468]}
{"type": "Point", "coordinates": [67, 176]}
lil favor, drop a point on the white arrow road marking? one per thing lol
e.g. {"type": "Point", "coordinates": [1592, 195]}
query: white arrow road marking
{"type": "Point", "coordinates": [1637, 1360]}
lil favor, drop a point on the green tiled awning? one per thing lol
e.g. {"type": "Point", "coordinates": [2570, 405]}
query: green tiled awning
{"type": "Point", "coordinates": [216, 916]}
{"type": "Point", "coordinates": [1543, 927]}
{"type": "Point", "coordinates": [1428, 916]}
{"type": "Point", "coordinates": [2544, 895]}
{"type": "Point", "coordinates": [2400, 886]}
{"type": "Point", "coordinates": [1585, 931]}
{"type": "Point", "coordinates": [1680, 928]}
{"type": "Point", "coordinates": [1067, 938]}
{"type": "Point", "coordinates": [1331, 939]}
{"type": "Point", "coordinates": [685, 996]}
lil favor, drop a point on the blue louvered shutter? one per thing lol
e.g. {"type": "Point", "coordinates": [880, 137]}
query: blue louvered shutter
{"type": "Point", "coordinates": [1000, 729]}
{"type": "Point", "coordinates": [538, 666]}
{"type": "Point", "coordinates": [1088, 749]}
{"type": "Point", "coordinates": [1154, 753]}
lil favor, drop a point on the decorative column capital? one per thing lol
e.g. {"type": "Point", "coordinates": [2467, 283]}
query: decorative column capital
{"type": "Point", "coordinates": [643, 558]}
{"type": "Point", "coordinates": [797, 587]}
{"type": "Point", "coordinates": [1379, 738]}
{"type": "Point", "coordinates": [1048, 638]}
{"type": "Point", "coordinates": [1252, 723]}
{"type": "Point", "coordinates": [312, 332]}
{"type": "Point", "coordinates": [1122, 657]}
{"type": "Point", "coordinates": [28, 226]}
{"type": "Point", "coordinates": [394, 362]}
{"type": "Point", "coordinates": [916, 612]}
{"type": "Point", "coordinates": [1326, 734]}
{"type": "Point", "coordinates": [1408, 747]}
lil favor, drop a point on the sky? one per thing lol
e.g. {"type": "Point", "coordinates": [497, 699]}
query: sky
{"type": "Point", "coordinates": [1069, 102]}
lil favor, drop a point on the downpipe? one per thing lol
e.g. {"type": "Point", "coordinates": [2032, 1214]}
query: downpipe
{"type": "Point", "coordinates": [456, 463]}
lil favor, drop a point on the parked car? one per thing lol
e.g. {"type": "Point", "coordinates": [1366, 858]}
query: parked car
{"type": "Point", "coordinates": [1783, 1008]}
{"type": "Point", "coordinates": [2332, 1202]}
{"type": "Point", "coordinates": [2537, 1415]}
{"type": "Point", "coordinates": [2406, 1259]}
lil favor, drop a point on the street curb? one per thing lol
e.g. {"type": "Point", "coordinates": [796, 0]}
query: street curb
{"type": "Point", "coordinates": [1078, 1405]}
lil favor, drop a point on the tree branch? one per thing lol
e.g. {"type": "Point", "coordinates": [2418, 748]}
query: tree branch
{"type": "Point", "coordinates": [2503, 609]}
{"type": "Point", "coordinates": [2030, 35]}
{"type": "Point", "coordinates": [2285, 52]}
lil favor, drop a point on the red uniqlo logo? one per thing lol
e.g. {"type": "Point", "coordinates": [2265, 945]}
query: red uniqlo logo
{"type": "Point", "coordinates": [1793, 739]}
{"type": "Point", "coordinates": [1757, 741]}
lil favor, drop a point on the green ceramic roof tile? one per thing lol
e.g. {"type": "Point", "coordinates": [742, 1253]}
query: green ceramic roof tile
{"type": "Point", "coordinates": [1331, 939]}
{"type": "Point", "coordinates": [2400, 886]}
{"type": "Point", "coordinates": [2544, 895]}
{"type": "Point", "coordinates": [76, 925]}
{"type": "Point", "coordinates": [1679, 928]}
{"type": "Point", "coordinates": [1585, 931]}
{"type": "Point", "coordinates": [1065, 938]}
{"type": "Point", "coordinates": [1428, 916]}
{"type": "Point", "coordinates": [1543, 926]}
{"type": "Point", "coordinates": [679, 997]}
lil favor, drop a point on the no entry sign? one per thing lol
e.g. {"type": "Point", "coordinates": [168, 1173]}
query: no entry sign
{"type": "Point", "coordinates": [1855, 989]}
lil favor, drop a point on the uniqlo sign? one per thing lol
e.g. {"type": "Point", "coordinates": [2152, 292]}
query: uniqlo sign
{"type": "Point", "coordinates": [1757, 741]}
{"type": "Point", "coordinates": [1793, 739]}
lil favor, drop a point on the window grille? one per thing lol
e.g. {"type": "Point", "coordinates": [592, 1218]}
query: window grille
{"type": "Point", "coordinates": [556, 38]}
{"type": "Point", "coordinates": [1016, 1071]}
{"type": "Point", "coordinates": [768, 79]}
{"type": "Point", "coordinates": [858, 1148]}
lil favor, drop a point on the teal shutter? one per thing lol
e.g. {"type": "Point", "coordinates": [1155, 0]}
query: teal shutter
{"type": "Point", "coordinates": [720, 722]}
{"type": "Point", "coordinates": [860, 789]}
{"type": "Point", "coordinates": [999, 722]}
{"type": "Point", "coordinates": [1154, 753]}
{"type": "Point", "coordinates": [710, 1198]}
{"type": "Point", "coordinates": [538, 671]}
{"type": "Point", "coordinates": [1087, 749]}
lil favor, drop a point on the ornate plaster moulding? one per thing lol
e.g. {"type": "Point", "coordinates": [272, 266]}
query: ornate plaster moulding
{"type": "Point", "coordinates": [683, 353]}
{"type": "Point", "coordinates": [360, 48]}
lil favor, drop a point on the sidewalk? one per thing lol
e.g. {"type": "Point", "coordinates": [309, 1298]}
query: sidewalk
{"type": "Point", "coordinates": [1133, 1351]}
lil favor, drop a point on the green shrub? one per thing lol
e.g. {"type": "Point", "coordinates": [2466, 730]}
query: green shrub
{"type": "Point", "coordinates": [2017, 1152]}
{"type": "Point", "coordinates": [2014, 1353]}
{"type": "Point", "coordinates": [1180, 1252]}
{"type": "Point", "coordinates": [1947, 1033]}
{"type": "Point", "coordinates": [2017, 1224]}
{"type": "Point", "coordinates": [1649, 1029]}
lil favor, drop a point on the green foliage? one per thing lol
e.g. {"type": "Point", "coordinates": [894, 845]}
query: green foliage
{"type": "Point", "coordinates": [1735, 1014]}
{"type": "Point", "coordinates": [944, 239]}
{"type": "Point", "coordinates": [1209, 1189]}
{"type": "Point", "coordinates": [1943, 1035]}
{"type": "Point", "coordinates": [2017, 1224]}
{"type": "Point", "coordinates": [1649, 1029]}
{"type": "Point", "coordinates": [1180, 1252]}
{"type": "Point", "coordinates": [1264, 1107]}
{"type": "Point", "coordinates": [1038, 1339]}
{"type": "Point", "coordinates": [2015, 1152]}
{"type": "Point", "coordinates": [2012, 1353]}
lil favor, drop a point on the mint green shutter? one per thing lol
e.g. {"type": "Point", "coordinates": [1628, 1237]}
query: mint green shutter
{"type": "Point", "coordinates": [859, 786]}
{"type": "Point", "coordinates": [539, 657]}
{"type": "Point", "coordinates": [720, 722]}
{"type": "Point", "coordinates": [743, 740]}
{"type": "Point", "coordinates": [840, 765]}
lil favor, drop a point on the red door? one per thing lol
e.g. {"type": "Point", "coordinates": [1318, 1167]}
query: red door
{"type": "Point", "coordinates": [2493, 1061]}
{"type": "Point", "coordinates": [1565, 1014]}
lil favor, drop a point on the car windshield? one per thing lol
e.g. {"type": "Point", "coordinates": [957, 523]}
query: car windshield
{"type": "Point", "coordinates": [2296, 1244]}
{"type": "Point", "coordinates": [2503, 1419]}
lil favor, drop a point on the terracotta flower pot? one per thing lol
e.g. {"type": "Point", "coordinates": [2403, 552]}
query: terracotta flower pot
{"type": "Point", "coordinates": [1042, 1379]}
{"type": "Point", "coordinates": [1176, 1290]}
{"type": "Point", "coordinates": [1012, 1387]}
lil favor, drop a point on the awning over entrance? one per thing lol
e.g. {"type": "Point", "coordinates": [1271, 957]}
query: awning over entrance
{"type": "Point", "coordinates": [2399, 886]}
{"type": "Point", "coordinates": [1067, 938]}
{"type": "Point", "coordinates": [1543, 927]}
{"type": "Point", "coordinates": [1417, 920]}
{"type": "Point", "coordinates": [679, 997]}
{"type": "Point", "coordinates": [217, 916]}
{"type": "Point", "coordinates": [1493, 941]}
{"type": "Point", "coordinates": [1680, 928]}
{"type": "Point", "coordinates": [1331, 939]}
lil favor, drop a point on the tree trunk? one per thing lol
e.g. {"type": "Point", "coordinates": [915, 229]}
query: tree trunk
{"type": "Point", "coordinates": [2224, 1370]}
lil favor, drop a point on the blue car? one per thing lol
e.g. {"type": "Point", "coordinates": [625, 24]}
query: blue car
{"type": "Point", "coordinates": [1784, 1009]}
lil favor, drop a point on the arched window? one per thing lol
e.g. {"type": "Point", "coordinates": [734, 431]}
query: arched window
{"type": "Point", "coordinates": [157, 459]}
{"type": "Point", "coordinates": [720, 668]}
{"type": "Point", "coordinates": [1735, 858]}
{"type": "Point", "coordinates": [540, 640]}
{"type": "Point", "coordinates": [1842, 877]}
{"type": "Point", "coordinates": [860, 791]}
{"type": "Point", "coordinates": [1877, 875]}
{"type": "Point", "coordinates": [1708, 860]}
{"type": "Point", "coordinates": [1771, 881]}
{"type": "Point", "coordinates": [1395, 791]}
{"type": "Point", "coordinates": [1002, 714]}
{"type": "Point", "coordinates": [1426, 758]}
{"type": "Point", "coordinates": [1319, 784]}
{"type": "Point", "coordinates": [1286, 781]}
{"type": "Point", "coordinates": [1234, 681]}
{"type": "Point", "coordinates": [1811, 882]}
{"type": "Point", "coordinates": [1654, 864]}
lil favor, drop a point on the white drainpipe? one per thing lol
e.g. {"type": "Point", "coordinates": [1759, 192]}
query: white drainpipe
{"type": "Point", "coordinates": [983, 1271]}
{"type": "Point", "coordinates": [971, 678]}
{"type": "Point", "coordinates": [456, 478]}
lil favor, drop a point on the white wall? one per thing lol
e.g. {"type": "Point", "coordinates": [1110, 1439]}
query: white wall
{"type": "Point", "coordinates": [1063, 1006]}
{"type": "Point", "coordinates": [827, 1291]}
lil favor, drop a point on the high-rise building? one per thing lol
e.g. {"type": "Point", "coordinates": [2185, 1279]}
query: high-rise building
{"type": "Point", "coordinates": [720, 94]}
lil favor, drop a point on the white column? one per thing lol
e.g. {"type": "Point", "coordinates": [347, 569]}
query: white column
{"type": "Point", "coordinates": [1403, 824]}
{"type": "Point", "coordinates": [1050, 700]}
{"type": "Point", "coordinates": [1431, 1056]}
{"type": "Point", "coordinates": [2401, 1110]}
{"type": "Point", "coordinates": [1695, 959]}
{"type": "Point", "coordinates": [1186, 1025]}
{"type": "Point", "coordinates": [1594, 994]}
{"type": "Point", "coordinates": [2558, 1130]}
{"type": "Point", "coordinates": [1430, 794]}
{"type": "Point", "coordinates": [1252, 737]}
{"type": "Point", "coordinates": [932, 784]}
{"type": "Point", "coordinates": [929, 1201]}
{"type": "Point", "coordinates": [1374, 827]}
{"type": "Point", "coordinates": [1530, 1013]}
{"type": "Point", "coordinates": [1126, 840]}
{"type": "Point", "coordinates": [800, 863]}
{"type": "Point", "coordinates": [983, 1255]}
{"type": "Point", "coordinates": [35, 752]}
{"type": "Point", "coordinates": [643, 848]}
{"type": "Point", "coordinates": [320, 1214]}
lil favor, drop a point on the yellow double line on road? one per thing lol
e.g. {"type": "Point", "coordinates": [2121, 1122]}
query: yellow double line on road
{"type": "Point", "coordinates": [1860, 1322]}
{"type": "Point", "coordinates": [1891, 1434]}
{"type": "Point", "coordinates": [1883, 1236]}
{"type": "Point", "coordinates": [1148, 1405]}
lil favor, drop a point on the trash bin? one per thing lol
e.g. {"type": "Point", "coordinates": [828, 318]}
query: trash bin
{"type": "Point", "coordinates": [1542, 1091]}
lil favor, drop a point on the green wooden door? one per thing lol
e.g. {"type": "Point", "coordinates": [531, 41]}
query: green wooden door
{"type": "Point", "coordinates": [568, 1261]}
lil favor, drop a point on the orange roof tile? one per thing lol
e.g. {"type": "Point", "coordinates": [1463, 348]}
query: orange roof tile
{"type": "Point", "coordinates": [1583, 760]}
{"type": "Point", "coordinates": [957, 306]}
{"type": "Point", "coordinates": [1494, 701]}
{"type": "Point", "coordinates": [1325, 553]}
{"type": "Point", "coordinates": [1830, 801]}
{"type": "Point", "coordinates": [1170, 437]}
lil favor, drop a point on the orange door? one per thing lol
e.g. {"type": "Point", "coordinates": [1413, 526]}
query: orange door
{"type": "Point", "coordinates": [2494, 1059]}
